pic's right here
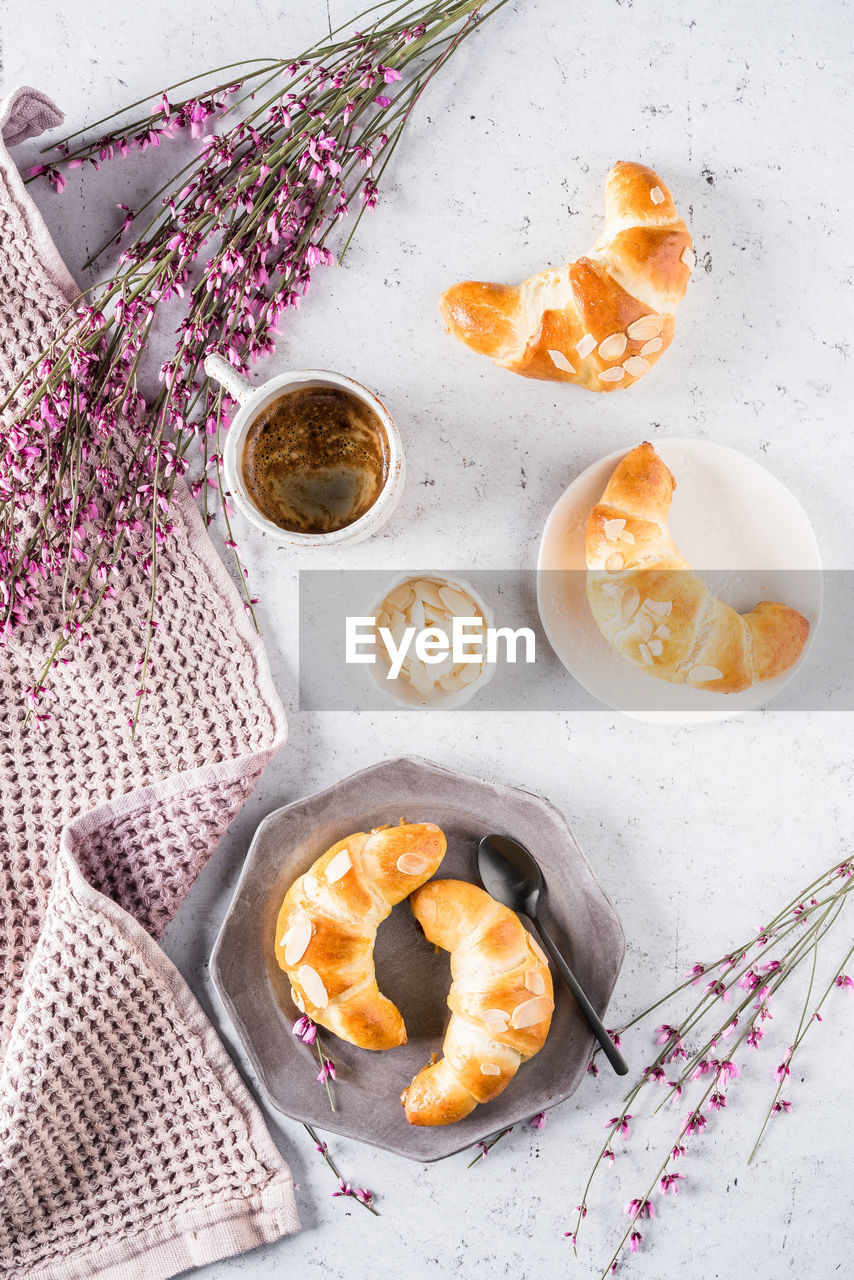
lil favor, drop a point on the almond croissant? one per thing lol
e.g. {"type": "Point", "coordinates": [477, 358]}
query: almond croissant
{"type": "Point", "coordinates": [603, 321]}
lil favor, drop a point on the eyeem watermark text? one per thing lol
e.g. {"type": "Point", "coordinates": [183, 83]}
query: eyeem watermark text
{"type": "Point", "coordinates": [469, 642]}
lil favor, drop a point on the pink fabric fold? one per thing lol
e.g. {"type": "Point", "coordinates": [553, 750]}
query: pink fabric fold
{"type": "Point", "coordinates": [129, 1147]}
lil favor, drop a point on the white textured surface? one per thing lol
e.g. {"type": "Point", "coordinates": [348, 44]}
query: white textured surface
{"type": "Point", "coordinates": [746, 110]}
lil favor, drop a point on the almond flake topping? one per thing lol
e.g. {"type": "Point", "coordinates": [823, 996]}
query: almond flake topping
{"type": "Point", "coordinates": [614, 374]}
{"type": "Point", "coordinates": [661, 608]}
{"type": "Point", "coordinates": [297, 999]}
{"type": "Point", "coordinates": [644, 625]}
{"type": "Point", "coordinates": [612, 347]}
{"type": "Point", "coordinates": [650, 348]}
{"type": "Point", "coordinates": [586, 345]}
{"type": "Point", "coordinates": [657, 195]}
{"type": "Point", "coordinates": [560, 361]}
{"type": "Point", "coordinates": [296, 940]}
{"type": "Point", "coordinates": [636, 366]}
{"type": "Point", "coordinates": [412, 864]}
{"type": "Point", "coordinates": [339, 865]}
{"type": "Point", "coordinates": [614, 563]}
{"type": "Point", "coordinates": [701, 673]}
{"type": "Point", "coordinates": [645, 327]}
{"type": "Point", "coordinates": [688, 257]}
{"type": "Point", "coordinates": [535, 982]}
{"type": "Point", "coordinates": [537, 950]}
{"type": "Point", "coordinates": [656, 648]}
{"type": "Point", "coordinates": [312, 984]}
{"type": "Point", "coordinates": [489, 1069]}
{"type": "Point", "coordinates": [643, 650]}
{"type": "Point", "coordinates": [613, 528]}
{"type": "Point", "coordinates": [496, 1019]}
{"type": "Point", "coordinates": [530, 1012]}
{"type": "Point", "coordinates": [629, 604]}
{"type": "Point", "coordinates": [662, 630]}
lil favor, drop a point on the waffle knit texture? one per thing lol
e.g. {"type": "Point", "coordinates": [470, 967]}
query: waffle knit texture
{"type": "Point", "coordinates": [129, 1147]}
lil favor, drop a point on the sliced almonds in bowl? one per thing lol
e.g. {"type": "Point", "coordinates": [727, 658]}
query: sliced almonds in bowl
{"type": "Point", "coordinates": [431, 602]}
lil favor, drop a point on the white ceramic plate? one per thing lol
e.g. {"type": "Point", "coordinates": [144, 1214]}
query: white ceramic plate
{"type": "Point", "coordinates": [729, 516]}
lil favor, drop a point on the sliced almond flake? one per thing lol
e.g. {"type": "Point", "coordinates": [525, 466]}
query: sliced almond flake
{"type": "Point", "coordinates": [458, 602]}
{"type": "Point", "coordinates": [702, 672]}
{"type": "Point", "coordinates": [489, 1069]}
{"type": "Point", "coordinates": [629, 604]}
{"type": "Point", "coordinates": [643, 650]}
{"type": "Point", "coordinates": [339, 865]}
{"type": "Point", "coordinates": [401, 597]}
{"type": "Point", "coordinates": [535, 982]}
{"type": "Point", "coordinates": [645, 327]}
{"type": "Point", "coordinates": [612, 347]}
{"type": "Point", "coordinates": [412, 864]}
{"type": "Point", "coordinates": [415, 614]}
{"type": "Point", "coordinates": [613, 528]}
{"type": "Point", "coordinates": [297, 999]}
{"type": "Point", "coordinates": [614, 563]}
{"type": "Point", "coordinates": [296, 940]}
{"type": "Point", "coordinates": [636, 366]}
{"type": "Point", "coordinates": [661, 608]}
{"type": "Point", "coordinates": [530, 1012]}
{"type": "Point", "coordinates": [429, 593]}
{"type": "Point", "coordinates": [644, 624]}
{"type": "Point", "coordinates": [586, 345]}
{"type": "Point", "coordinates": [450, 682]}
{"type": "Point", "coordinates": [650, 348]}
{"type": "Point", "coordinates": [656, 648]}
{"type": "Point", "coordinates": [420, 676]}
{"type": "Point", "coordinates": [688, 257]}
{"type": "Point", "coordinates": [657, 196]}
{"type": "Point", "coordinates": [470, 672]}
{"type": "Point", "coordinates": [560, 361]}
{"type": "Point", "coordinates": [496, 1019]}
{"type": "Point", "coordinates": [537, 950]}
{"type": "Point", "coordinates": [312, 984]}
{"type": "Point", "coordinates": [614, 374]}
{"type": "Point", "coordinates": [663, 631]}
{"type": "Point", "coordinates": [610, 588]}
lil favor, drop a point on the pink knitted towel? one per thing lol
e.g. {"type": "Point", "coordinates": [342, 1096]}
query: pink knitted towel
{"type": "Point", "coordinates": [129, 1147]}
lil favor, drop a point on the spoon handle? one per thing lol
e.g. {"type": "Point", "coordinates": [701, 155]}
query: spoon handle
{"type": "Point", "coordinates": [612, 1053]}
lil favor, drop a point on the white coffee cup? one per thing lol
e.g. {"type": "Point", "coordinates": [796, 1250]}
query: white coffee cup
{"type": "Point", "coordinates": [252, 400]}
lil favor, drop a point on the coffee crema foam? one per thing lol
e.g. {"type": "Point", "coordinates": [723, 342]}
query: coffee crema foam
{"type": "Point", "coordinates": [315, 460]}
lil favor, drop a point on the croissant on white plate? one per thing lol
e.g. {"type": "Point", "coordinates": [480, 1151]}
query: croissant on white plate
{"type": "Point", "coordinates": [602, 321]}
{"type": "Point", "coordinates": [328, 923]}
{"type": "Point", "coordinates": [658, 613]}
{"type": "Point", "coordinates": [501, 1001]}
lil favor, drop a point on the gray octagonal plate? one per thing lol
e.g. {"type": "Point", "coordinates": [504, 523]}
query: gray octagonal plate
{"type": "Point", "coordinates": [255, 992]}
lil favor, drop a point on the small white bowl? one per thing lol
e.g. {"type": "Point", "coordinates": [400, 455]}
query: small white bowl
{"type": "Point", "coordinates": [252, 400]}
{"type": "Point", "coordinates": [440, 699]}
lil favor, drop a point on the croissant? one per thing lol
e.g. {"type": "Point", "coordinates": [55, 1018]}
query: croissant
{"type": "Point", "coordinates": [328, 922]}
{"type": "Point", "coordinates": [501, 1001]}
{"type": "Point", "coordinates": [660, 615]}
{"type": "Point", "coordinates": [602, 321]}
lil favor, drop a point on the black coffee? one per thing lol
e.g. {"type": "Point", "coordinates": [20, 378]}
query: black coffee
{"type": "Point", "coordinates": [315, 460]}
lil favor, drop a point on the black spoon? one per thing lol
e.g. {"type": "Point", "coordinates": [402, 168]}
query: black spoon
{"type": "Point", "coordinates": [510, 873]}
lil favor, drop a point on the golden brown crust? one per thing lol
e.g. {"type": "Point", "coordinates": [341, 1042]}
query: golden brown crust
{"type": "Point", "coordinates": [655, 611]}
{"type": "Point", "coordinates": [637, 272]}
{"type": "Point", "coordinates": [328, 921]}
{"type": "Point", "coordinates": [501, 1001]}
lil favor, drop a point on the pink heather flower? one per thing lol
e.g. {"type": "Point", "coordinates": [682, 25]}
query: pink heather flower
{"type": "Point", "coordinates": [304, 1030]}
{"type": "Point", "coordinates": [621, 1125]}
{"type": "Point", "coordinates": [327, 1071]}
{"type": "Point", "coordinates": [842, 980]}
{"type": "Point", "coordinates": [592, 1069]}
{"type": "Point", "coordinates": [359, 1193]}
{"type": "Point", "coordinates": [696, 972]}
{"type": "Point", "coordinates": [771, 967]}
{"type": "Point", "coordinates": [719, 989]}
{"type": "Point", "coordinates": [676, 1087]}
{"type": "Point", "coordinates": [608, 1155]}
{"type": "Point", "coordinates": [382, 101]}
{"type": "Point", "coordinates": [677, 1152]}
{"type": "Point", "coordinates": [782, 1105]}
{"type": "Point", "coordinates": [670, 1182]}
{"type": "Point", "coordinates": [728, 1070]}
{"type": "Point", "coordinates": [582, 1209]}
{"type": "Point", "coordinates": [634, 1240]}
{"type": "Point", "coordinates": [781, 1072]}
{"type": "Point", "coordinates": [696, 1123]}
{"type": "Point", "coordinates": [665, 1032]}
{"type": "Point", "coordinates": [388, 74]}
{"type": "Point", "coordinates": [730, 1028]}
{"type": "Point", "coordinates": [656, 1074]}
{"type": "Point", "coordinates": [615, 1036]}
{"type": "Point", "coordinates": [701, 1069]}
{"type": "Point", "coordinates": [537, 1121]}
{"type": "Point", "coordinates": [640, 1209]}
{"type": "Point", "coordinates": [754, 1035]}
{"type": "Point", "coordinates": [717, 1101]}
{"type": "Point", "coordinates": [750, 981]}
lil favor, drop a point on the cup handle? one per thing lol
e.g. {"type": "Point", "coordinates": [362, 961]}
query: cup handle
{"type": "Point", "coordinates": [224, 373]}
